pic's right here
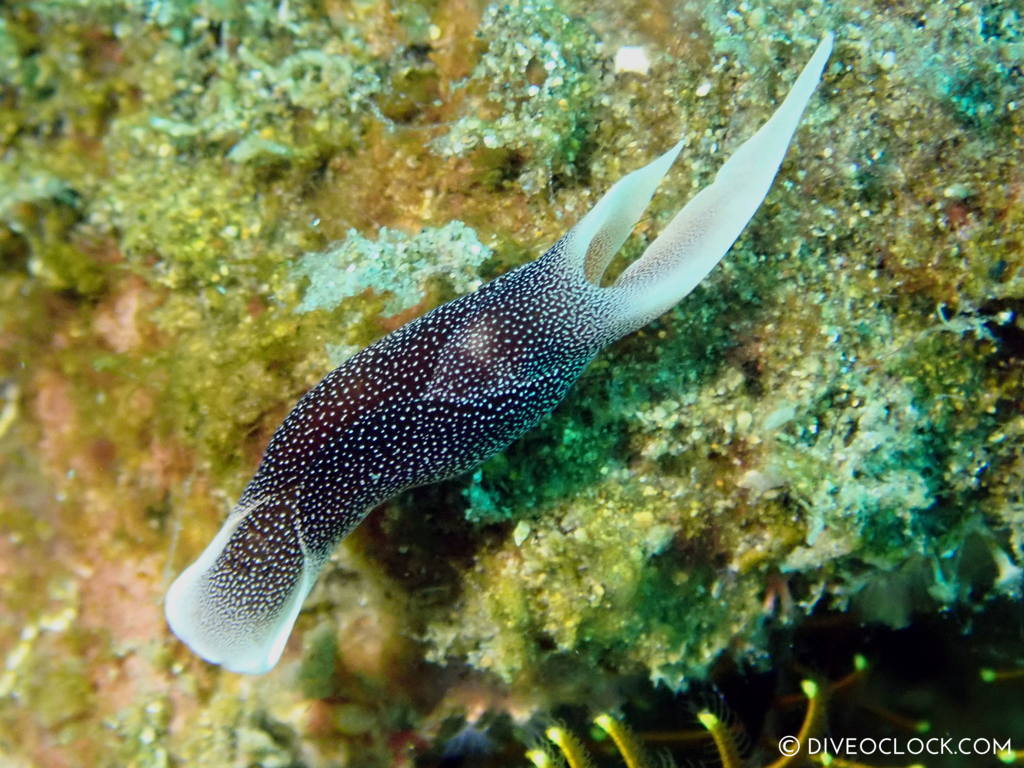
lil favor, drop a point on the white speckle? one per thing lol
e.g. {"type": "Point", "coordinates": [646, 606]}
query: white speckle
{"type": "Point", "coordinates": [632, 58]}
{"type": "Point", "coordinates": [743, 421]}
{"type": "Point", "coordinates": [703, 89]}
{"type": "Point", "coordinates": [780, 416]}
{"type": "Point", "coordinates": [958, 191]}
{"type": "Point", "coordinates": [758, 481]}
{"type": "Point", "coordinates": [521, 532]}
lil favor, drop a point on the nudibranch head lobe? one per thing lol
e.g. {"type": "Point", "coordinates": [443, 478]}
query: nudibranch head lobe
{"type": "Point", "coordinates": [235, 605]}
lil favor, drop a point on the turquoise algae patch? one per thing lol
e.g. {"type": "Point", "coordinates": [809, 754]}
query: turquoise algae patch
{"type": "Point", "coordinates": [396, 264]}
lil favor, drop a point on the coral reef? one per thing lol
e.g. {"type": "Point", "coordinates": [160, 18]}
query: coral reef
{"type": "Point", "coordinates": [833, 420]}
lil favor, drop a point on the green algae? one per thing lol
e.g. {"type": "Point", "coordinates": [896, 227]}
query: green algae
{"type": "Point", "coordinates": [317, 676]}
{"type": "Point", "coordinates": [531, 96]}
{"type": "Point", "coordinates": [394, 263]}
{"type": "Point", "coordinates": [836, 409]}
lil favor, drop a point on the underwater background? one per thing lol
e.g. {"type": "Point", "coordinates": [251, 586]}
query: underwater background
{"type": "Point", "coordinates": [810, 469]}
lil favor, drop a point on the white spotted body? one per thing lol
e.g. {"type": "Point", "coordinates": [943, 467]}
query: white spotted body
{"type": "Point", "coordinates": [444, 392]}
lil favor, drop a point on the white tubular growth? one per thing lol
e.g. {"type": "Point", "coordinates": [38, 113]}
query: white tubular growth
{"type": "Point", "coordinates": [703, 231]}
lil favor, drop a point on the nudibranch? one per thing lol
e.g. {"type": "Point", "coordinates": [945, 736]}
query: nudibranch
{"type": "Point", "coordinates": [446, 391]}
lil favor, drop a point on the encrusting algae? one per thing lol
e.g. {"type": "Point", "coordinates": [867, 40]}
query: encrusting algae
{"type": "Point", "coordinates": [832, 420]}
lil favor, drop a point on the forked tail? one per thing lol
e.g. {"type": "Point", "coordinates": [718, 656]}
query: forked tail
{"type": "Point", "coordinates": [700, 234]}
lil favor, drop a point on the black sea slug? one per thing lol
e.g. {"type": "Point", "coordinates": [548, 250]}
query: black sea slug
{"type": "Point", "coordinates": [441, 394]}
